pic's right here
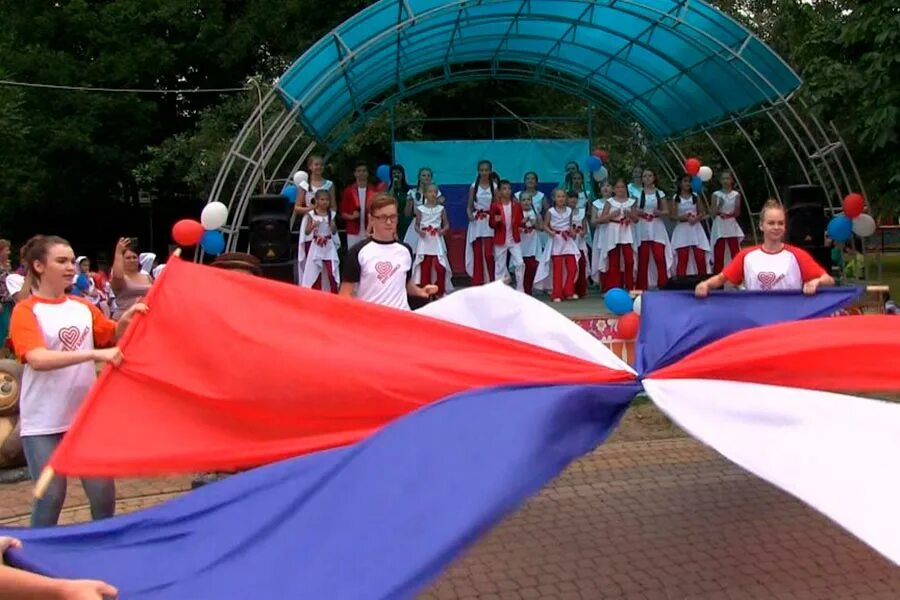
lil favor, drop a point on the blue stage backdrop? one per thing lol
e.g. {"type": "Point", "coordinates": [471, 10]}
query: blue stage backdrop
{"type": "Point", "coordinates": [455, 165]}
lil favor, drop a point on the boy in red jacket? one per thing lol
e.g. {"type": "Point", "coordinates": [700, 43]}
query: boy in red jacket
{"type": "Point", "coordinates": [506, 218]}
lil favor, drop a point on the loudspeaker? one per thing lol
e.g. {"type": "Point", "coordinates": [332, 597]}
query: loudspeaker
{"type": "Point", "coordinates": [270, 228]}
{"type": "Point", "coordinates": [806, 221]}
{"type": "Point", "coordinates": [686, 282]}
{"type": "Point", "coordinates": [283, 271]}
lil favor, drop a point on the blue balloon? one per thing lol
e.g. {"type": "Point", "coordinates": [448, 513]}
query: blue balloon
{"type": "Point", "coordinates": [213, 242]}
{"type": "Point", "coordinates": [840, 228]}
{"type": "Point", "coordinates": [82, 282]}
{"type": "Point", "coordinates": [593, 163]}
{"type": "Point", "coordinates": [618, 301]}
{"type": "Point", "coordinates": [697, 184]}
{"type": "Point", "coordinates": [383, 172]}
{"type": "Point", "coordinates": [290, 192]}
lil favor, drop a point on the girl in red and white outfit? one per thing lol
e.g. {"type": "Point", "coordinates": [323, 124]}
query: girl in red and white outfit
{"type": "Point", "coordinates": [321, 263]}
{"type": "Point", "coordinates": [354, 200]}
{"type": "Point", "coordinates": [561, 253]}
{"type": "Point", "coordinates": [773, 265]}
{"type": "Point", "coordinates": [480, 236]}
{"type": "Point", "coordinates": [57, 336]}
{"type": "Point", "coordinates": [538, 200]}
{"type": "Point", "coordinates": [652, 237]}
{"type": "Point", "coordinates": [507, 219]}
{"type": "Point", "coordinates": [617, 257]}
{"type": "Point", "coordinates": [306, 194]}
{"type": "Point", "coordinates": [726, 233]}
{"type": "Point", "coordinates": [532, 227]}
{"type": "Point", "coordinates": [600, 225]}
{"type": "Point", "coordinates": [581, 229]}
{"type": "Point", "coordinates": [416, 198]}
{"type": "Point", "coordinates": [689, 238]}
{"type": "Point", "coordinates": [431, 251]}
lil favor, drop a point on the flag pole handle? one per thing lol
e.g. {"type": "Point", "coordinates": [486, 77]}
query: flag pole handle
{"type": "Point", "coordinates": [43, 482]}
{"type": "Point", "coordinates": [177, 253]}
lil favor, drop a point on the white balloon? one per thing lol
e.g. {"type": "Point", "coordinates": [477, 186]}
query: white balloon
{"type": "Point", "coordinates": [214, 215]}
{"type": "Point", "coordinates": [300, 177]}
{"type": "Point", "coordinates": [636, 305]}
{"type": "Point", "coordinates": [304, 185]}
{"type": "Point", "coordinates": [864, 225]}
{"type": "Point", "coordinates": [600, 174]}
{"type": "Point", "coordinates": [705, 173]}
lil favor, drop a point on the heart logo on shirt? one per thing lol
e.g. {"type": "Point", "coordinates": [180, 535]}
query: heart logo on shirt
{"type": "Point", "coordinates": [768, 279]}
{"type": "Point", "coordinates": [71, 338]}
{"type": "Point", "coordinates": [385, 269]}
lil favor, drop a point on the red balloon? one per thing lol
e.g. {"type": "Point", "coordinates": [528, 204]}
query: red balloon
{"type": "Point", "coordinates": [601, 154]}
{"type": "Point", "coordinates": [627, 326]}
{"type": "Point", "coordinates": [853, 205]}
{"type": "Point", "coordinates": [692, 166]}
{"type": "Point", "coordinates": [187, 232]}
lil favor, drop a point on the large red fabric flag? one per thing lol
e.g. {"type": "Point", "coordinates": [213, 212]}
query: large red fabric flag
{"type": "Point", "coordinates": [230, 371]}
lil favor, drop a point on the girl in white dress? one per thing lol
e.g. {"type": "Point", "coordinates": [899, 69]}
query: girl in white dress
{"type": "Point", "coordinates": [560, 255]}
{"type": "Point", "coordinates": [431, 264]}
{"type": "Point", "coordinates": [581, 230]}
{"type": "Point", "coordinates": [416, 198]}
{"type": "Point", "coordinates": [532, 249]}
{"type": "Point", "coordinates": [480, 236]}
{"type": "Point", "coordinates": [689, 238]}
{"type": "Point", "coordinates": [617, 255]}
{"type": "Point", "coordinates": [600, 226]}
{"type": "Point", "coordinates": [315, 165]}
{"type": "Point", "coordinates": [726, 233]}
{"type": "Point", "coordinates": [652, 237]}
{"type": "Point", "coordinates": [538, 200]}
{"type": "Point", "coordinates": [322, 256]}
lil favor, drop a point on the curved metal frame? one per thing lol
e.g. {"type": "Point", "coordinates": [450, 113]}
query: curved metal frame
{"type": "Point", "coordinates": [261, 142]}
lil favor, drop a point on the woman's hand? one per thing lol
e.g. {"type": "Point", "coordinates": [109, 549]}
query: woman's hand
{"type": "Point", "coordinates": [86, 589]}
{"type": "Point", "coordinates": [702, 290]}
{"type": "Point", "coordinates": [112, 356]}
{"type": "Point", "coordinates": [122, 245]}
{"type": "Point", "coordinates": [6, 543]}
{"type": "Point", "coordinates": [810, 287]}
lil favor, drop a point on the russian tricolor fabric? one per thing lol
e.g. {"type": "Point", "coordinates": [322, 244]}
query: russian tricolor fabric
{"type": "Point", "coordinates": [402, 437]}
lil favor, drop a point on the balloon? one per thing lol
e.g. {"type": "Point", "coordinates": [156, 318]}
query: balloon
{"type": "Point", "coordinates": [600, 174]}
{"type": "Point", "coordinates": [637, 304]}
{"type": "Point", "coordinates": [628, 326]}
{"type": "Point", "coordinates": [214, 215]}
{"type": "Point", "coordinates": [853, 205]}
{"type": "Point", "coordinates": [593, 164]}
{"type": "Point", "coordinates": [705, 173]}
{"type": "Point", "coordinates": [603, 155]}
{"type": "Point", "coordinates": [618, 301]}
{"type": "Point", "coordinates": [696, 184]}
{"type": "Point", "coordinates": [82, 282]}
{"type": "Point", "coordinates": [383, 172]}
{"type": "Point", "coordinates": [840, 228]}
{"type": "Point", "coordinates": [290, 192]}
{"type": "Point", "coordinates": [213, 243]}
{"type": "Point", "coordinates": [300, 177]}
{"type": "Point", "coordinates": [187, 232]}
{"type": "Point", "coordinates": [692, 166]}
{"type": "Point", "coordinates": [864, 225]}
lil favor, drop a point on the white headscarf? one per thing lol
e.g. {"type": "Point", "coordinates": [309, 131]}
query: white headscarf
{"type": "Point", "coordinates": [146, 260]}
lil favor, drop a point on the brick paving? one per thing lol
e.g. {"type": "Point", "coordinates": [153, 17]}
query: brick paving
{"type": "Point", "coordinates": [643, 520]}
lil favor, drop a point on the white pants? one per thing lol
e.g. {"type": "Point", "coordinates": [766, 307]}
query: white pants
{"type": "Point", "coordinates": [514, 251]}
{"type": "Point", "coordinates": [353, 239]}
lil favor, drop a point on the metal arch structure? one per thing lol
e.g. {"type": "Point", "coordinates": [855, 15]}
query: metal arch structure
{"type": "Point", "coordinates": [658, 63]}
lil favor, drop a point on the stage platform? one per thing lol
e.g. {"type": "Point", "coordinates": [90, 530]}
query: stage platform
{"type": "Point", "coordinates": [592, 315]}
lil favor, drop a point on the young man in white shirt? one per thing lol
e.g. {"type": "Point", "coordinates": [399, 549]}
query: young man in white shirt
{"type": "Point", "coordinates": [378, 269]}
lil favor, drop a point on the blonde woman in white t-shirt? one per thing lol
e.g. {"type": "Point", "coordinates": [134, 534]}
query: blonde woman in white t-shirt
{"type": "Point", "coordinates": [57, 337]}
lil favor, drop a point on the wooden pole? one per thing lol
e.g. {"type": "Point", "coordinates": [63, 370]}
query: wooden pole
{"type": "Point", "coordinates": [43, 482]}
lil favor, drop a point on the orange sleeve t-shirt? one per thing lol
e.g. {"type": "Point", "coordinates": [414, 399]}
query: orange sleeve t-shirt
{"type": "Point", "coordinates": [758, 270]}
{"type": "Point", "coordinates": [49, 399]}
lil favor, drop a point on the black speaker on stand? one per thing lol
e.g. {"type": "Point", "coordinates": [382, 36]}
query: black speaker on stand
{"type": "Point", "coordinates": [270, 236]}
{"type": "Point", "coordinates": [807, 221]}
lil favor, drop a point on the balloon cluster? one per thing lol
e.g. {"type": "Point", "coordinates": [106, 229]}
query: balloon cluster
{"type": "Point", "coordinates": [188, 232]}
{"type": "Point", "coordinates": [699, 173]}
{"type": "Point", "coordinates": [853, 220]}
{"type": "Point", "coordinates": [619, 302]}
{"type": "Point", "coordinates": [594, 165]}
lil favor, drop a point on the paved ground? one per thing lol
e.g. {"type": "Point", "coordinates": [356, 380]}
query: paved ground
{"type": "Point", "coordinates": [663, 519]}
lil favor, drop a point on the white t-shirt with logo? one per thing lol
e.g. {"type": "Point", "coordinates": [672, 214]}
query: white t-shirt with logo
{"type": "Point", "coordinates": [380, 271]}
{"type": "Point", "coordinates": [758, 270]}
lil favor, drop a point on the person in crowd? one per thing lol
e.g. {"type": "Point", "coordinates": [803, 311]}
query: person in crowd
{"type": "Point", "coordinates": [637, 182]}
{"type": "Point", "coordinates": [772, 265]}
{"type": "Point", "coordinates": [59, 338]}
{"type": "Point", "coordinates": [128, 283]}
{"type": "Point", "coordinates": [321, 264]}
{"type": "Point", "coordinates": [530, 184]}
{"type": "Point", "coordinates": [399, 188]}
{"type": "Point", "coordinates": [559, 264]}
{"type": "Point", "coordinates": [431, 263]}
{"type": "Point", "coordinates": [379, 268]}
{"type": "Point", "coordinates": [532, 248]}
{"type": "Point", "coordinates": [571, 168]}
{"type": "Point", "coordinates": [15, 583]}
{"type": "Point", "coordinates": [600, 224]}
{"type": "Point", "coordinates": [580, 229]}
{"type": "Point", "coordinates": [506, 219]}
{"type": "Point", "coordinates": [726, 233]}
{"type": "Point", "coordinates": [415, 198]}
{"type": "Point", "coordinates": [480, 236]}
{"type": "Point", "coordinates": [652, 236]}
{"type": "Point", "coordinates": [315, 166]}
{"type": "Point", "coordinates": [617, 253]}
{"type": "Point", "coordinates": [354, 204]}
{"type": "Point", "coordinates": [6, 299]}
{"type": "Point", "coordinates": [689, 238]}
